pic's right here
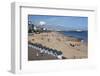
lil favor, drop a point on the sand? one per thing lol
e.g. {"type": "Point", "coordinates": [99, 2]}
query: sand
{"type": "Point", "coordinates": [62, 43]}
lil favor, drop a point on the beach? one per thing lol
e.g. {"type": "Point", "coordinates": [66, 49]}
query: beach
{"type": "Point", "coordinates": [72, 48]}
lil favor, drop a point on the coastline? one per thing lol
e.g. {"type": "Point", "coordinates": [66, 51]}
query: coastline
{"type": "Point", "coordinates": [71, 47]}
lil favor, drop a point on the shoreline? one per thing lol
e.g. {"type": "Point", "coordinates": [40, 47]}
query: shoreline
{"type": "Point", "coordinates": [85, 39]}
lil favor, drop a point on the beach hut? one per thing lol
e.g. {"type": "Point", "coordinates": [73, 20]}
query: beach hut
{"type": "Point", "coordinates": [59, 55]}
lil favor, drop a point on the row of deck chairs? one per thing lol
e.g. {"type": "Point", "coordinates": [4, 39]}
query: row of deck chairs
{"type": "Point", "coordinates": [44, 49]}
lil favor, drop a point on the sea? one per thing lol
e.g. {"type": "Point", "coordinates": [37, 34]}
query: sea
{"type": "Point", "coordinates": [82, 35]}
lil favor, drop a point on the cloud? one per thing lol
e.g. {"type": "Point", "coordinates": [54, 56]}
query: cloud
{"type": "Point", "coordinates": [42, 22]}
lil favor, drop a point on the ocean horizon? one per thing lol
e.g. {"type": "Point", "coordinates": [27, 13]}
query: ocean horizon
{"type": "Point", "coordinates": [82, 35]}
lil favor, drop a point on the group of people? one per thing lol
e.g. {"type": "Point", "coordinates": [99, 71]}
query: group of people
{"type": "Point", "coordinates": [44, 49]}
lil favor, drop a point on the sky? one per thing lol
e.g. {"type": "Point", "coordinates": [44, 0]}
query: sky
{"type": "Point", "coordinates": [60, 22]}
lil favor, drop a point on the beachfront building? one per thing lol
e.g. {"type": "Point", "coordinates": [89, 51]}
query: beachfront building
{"type": "Point", "coordinates": [30, 27]}
{"type": "Point", "coordinates": [40, 27]}
{"type": "Point", "coordinates": [35, 28]}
